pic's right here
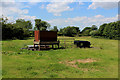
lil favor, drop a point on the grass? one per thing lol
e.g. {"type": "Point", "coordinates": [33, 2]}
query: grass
{"type": "Point", "coordinates": [19, 63]}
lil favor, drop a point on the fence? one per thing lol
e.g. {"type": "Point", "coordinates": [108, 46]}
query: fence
{"type": "Point", "coordinates": [66, 42]}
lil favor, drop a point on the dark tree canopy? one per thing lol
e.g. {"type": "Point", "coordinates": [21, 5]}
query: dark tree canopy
{"type": "Point", "coordinates": [24, 24]}
{"type": "Point", "coordinates": [86, 28]}
{"type": "Point", "coordinates": [110, 30]}
{"type": "Point", "coordinates": [37, 23]}
{"type": "Point", "coordinates": [70, 31]}
{"type": "Point", "coordinates": [54, 29]}
{"type": "Point", "coordinates": [101, 29]}
{"type": "Point", "coordinates": [86, 31]}
{"type": "Point", "coordinates": [18, 30]}
{"type": "Point", "coordinates": [94, 27]}
{"type": "Point", "coordinates": [41, 25]}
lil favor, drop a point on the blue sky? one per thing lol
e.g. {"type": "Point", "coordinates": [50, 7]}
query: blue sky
{"type": "Point", "coordinates": [62, 14]}
{"type": "Point", "coordinates": [79, 10]}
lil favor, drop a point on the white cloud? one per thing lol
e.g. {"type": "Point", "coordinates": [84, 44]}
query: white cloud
{"type": "Point", "coordinates": [32, 3]}
{"type": "Point", "coordinates": [106, 4]}
{"type": "Point", "coordinates": [13, 11]}
{"type": "Point", "coordinates": [27, 17]}
{"type": "Point", "coordinates": [7, 0]}
{"type": "Point", "coordinates": [12, 8]}
{"type": "Point", "coordinates": [58, 7]}
{"type": "Point", "coordinates": [59, 0]}
{"type": "Point", "coordinates": [82, 21]}
{"type": "Point", "coordinates": [42, 6]}
{"type": "Point", "coordinates": [12, 19]}
{"type": "Point", "coordinates": [104, 0]}
{"type": "Point", "coordinates": [0, 9]}
{"type": "Point", "coordinates": [81, 3]}
{"type": "Point", "coordinates": [99, 16]}
{"type": "Point", "coordinates": [118, 16]}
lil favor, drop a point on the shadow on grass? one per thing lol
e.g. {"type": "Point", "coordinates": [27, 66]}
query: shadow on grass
{"type": "Point", "coordinates": [43, 49]}
{"type": "Point", "coordinates": [26, 38]}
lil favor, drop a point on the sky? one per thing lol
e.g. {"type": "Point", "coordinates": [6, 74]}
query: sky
{"type": "Point", "coordinates": [62, 14]}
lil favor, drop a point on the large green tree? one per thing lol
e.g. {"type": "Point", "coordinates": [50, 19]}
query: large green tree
{"type": "Point", "coordinates": [18, 30]}
{"type": "Point", "coordinates": [101, 29]}
{"type": "Point", "coordinates": [94, 27]}
{"type": "Point", "coordinates": [70, 31]}
{"type": "Point", "coordinates": [109, 30]}
{"type": "Point", "coordinates": [41, 25]}
{"type": "Point", "coordinates": [86, 31]}
{"type": "Point", "coordinates": [86, 28]}
{"type": "Point", "coordinates": [55, 28]}
{"type": "Point", "coordinates": [24, 24]}
{"type": "Point", "coordinates": [37, 23]}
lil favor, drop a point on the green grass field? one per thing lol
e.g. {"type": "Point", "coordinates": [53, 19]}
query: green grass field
{"type": "Point", "coordinates": [98, 62]}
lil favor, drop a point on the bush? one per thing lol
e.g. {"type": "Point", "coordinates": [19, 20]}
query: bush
{"type": "Point", "coordinates": [70, 31]}
{"type": "Point", "coordinates": [86, 32]}
{"type": "Point", "coordinates": [94, 33]}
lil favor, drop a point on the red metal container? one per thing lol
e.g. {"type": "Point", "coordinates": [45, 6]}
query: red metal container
{"type": "Point", "coordinates": [45, 35]}
{"type": "Point", "coordinates": [37, 35]}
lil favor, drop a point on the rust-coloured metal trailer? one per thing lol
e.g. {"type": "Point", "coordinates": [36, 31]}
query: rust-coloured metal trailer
{"type": "Point", "coordinates": [45, 38]}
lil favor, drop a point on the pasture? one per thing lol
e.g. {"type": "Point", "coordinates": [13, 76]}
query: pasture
{"type": "Point", "coordinates": [101, 61]}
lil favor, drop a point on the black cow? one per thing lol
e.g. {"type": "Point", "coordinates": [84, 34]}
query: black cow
{"type": "Point", "coordinates": [82, 43]}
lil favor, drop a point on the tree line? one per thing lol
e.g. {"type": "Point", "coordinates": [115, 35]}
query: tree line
{"type": "Point", "coordinates": [17, 30]}
{"type": "Point", "coordinates": [106, 30]}
{"type": "Point", "coordinates": [110, 31]}
{"type": "Point", "coordinates": [20, 29]}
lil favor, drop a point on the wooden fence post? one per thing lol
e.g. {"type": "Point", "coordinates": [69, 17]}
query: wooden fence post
{"type": "Point", "coordinates": [64, 43]}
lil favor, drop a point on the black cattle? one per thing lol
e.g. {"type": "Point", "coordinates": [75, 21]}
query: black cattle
{"type": "Point", "coordinates": [82, 43]}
